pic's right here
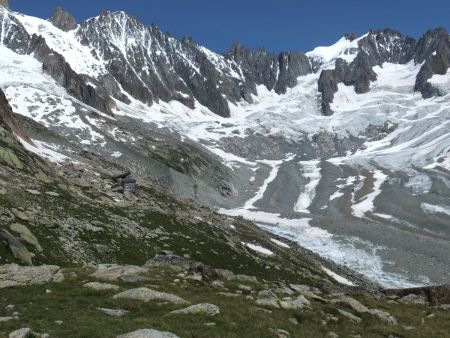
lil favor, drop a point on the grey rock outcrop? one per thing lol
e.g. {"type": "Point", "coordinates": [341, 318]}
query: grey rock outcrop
{"type": "Point", "coordinates": [297, 303]}
{"type": "Point", "coordinates": [112, 272]}
{"type": "Point", "coordinates": [147, 295]}
{"type": "Point", "coordinates": [383, 316]}
{"type": "Point", "coordinates": [434, 50]}
{"type": "Point", "coordinates": [63, 20]}
{"type": "Point", "coordinates": [4, 3]}
{"type": "Point", "coordinates": [20, 333]}
{"type": "Point", "coordinates": [18, 250]}
{"type": "Point", "coordinates": [100, 286]}
{"type": "Point", "coordinates": [358, 74]}
{"type": "Point", "coordinates": [387, 45]}
{"type": "Point", "coordinates": [275, 72]}
{"type": "Point", "coordinates": [12, 275]}
{"type": "Point", "coordinates": [13, 34]}
{"type": "Point", "coordinates": [114, 312]}
{"type": "Point", "coordinates": [56, 66]}
{"type": "Point", "coordinates": [203, 309]}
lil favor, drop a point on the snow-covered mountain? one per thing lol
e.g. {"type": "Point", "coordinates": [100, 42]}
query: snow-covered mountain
{"type": "Point", "coordinates": [344, 149]}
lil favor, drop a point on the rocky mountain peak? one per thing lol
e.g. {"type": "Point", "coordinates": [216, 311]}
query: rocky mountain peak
{"type": "Point", "coordinates": [4, 3]}
{"type": "Point", "coordinates": [350, 36]}
{"type": "Point", "coordinates": [431, 42]}
{"type": "Point", "coordinates": [387, 45]}
{"type": "Point", "coordinates": [63, 20]}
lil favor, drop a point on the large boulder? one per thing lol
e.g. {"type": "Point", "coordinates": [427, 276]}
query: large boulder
{"type": "Point", "coordinates": [26, 235]}
{"type": "Point", "coordinates": [12, 275]}
{"type": "Point", "coordinates": [18, 250]}
{"type": "Point", "coordinates": [147, 295]}
{"type": "Point", "coordinates": [112, 272]}
{"type": "Point", "coordinates": [100, 286]}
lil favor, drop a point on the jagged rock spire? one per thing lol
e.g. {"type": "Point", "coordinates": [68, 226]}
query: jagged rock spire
{"type": "Point", "coordinates": [4, 3]}
{"type": "Point", "coordinates": [63, 20]}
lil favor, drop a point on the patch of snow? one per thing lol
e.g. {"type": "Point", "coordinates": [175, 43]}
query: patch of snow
{"type": "Point", "coordinates": [280, 243]}
{"type": "Point", "coordinates": [360, 208]}
{"type": "Point", "coordinates": [46, 151]}
{"type": "Point", "coordinates": [337, 278]}
{"type": "Point", "coordinates": [116, 154]}
{"type": "Point", "coordinates": [311, 172]}
{"type": "Point", "coordinates": [435, 209]}
{"type": "Point", "coordinates": [344, 49]}
{"type": "Point", "coordinates": [258, 249]}
{"type": "Point", "coordinates": [67, 44]}
{"type": "Point", "coordinates": [336, 194]}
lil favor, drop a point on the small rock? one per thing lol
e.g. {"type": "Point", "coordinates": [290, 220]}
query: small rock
{"type": "Point", "coordinates": [272, 302]}
{"type": "Point", "coordinates": [384, 316]}
{"type": "Point", "coordinates": [293, 320]}
{"type": "Point", "coordinates": [225, 274]}
{"type": "Point", "coordinates": [102, 249]}
{"type": "Point", "coordinates": [59, 322]}
{"type": "Point", "coordinates": [229, 295]}
{"type": "Point", "coordinates": [350, 316]}
{"type": "Point", "coordinates": [148, 333]}
{"type": "Point", "coordinates": [196, 277]}
{"type": "Point", "coordinates": [114, 312]}
{"type": "Point", "coordinates": [48, 223]}
{"type": "Point", "coordinates": [133, 278]}
{"type": "Point", "coordinates": [245, 278]}
{"type": "Point", "coordinates": [21, 215]}
{"type": "Point", "coordinates": [244, 287]}
{"type": "Point", "coordinates": [353, 303]}
{"type": "Point", "coordinates": [52, 193]}
{"type": "Point", "coordinates": [6, 319]}
{"type": "Point", "coordinates": [297, 303]}
{"type": "Point", "coordinates": [210, 324]}
{"type": "Point", "coordinates": [413, 299]}
{"type": "Point", "coordinates": [32, 192]}
{"type": "Point", "coordinates": [100, 286]}
{"type": "Point", "coordinates": [280, 333]}
{"type": "Point", "coordinates": [204, 309]}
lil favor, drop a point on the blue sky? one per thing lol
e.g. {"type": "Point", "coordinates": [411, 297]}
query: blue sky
{"type": "Point", "coordinates": [276, 25]}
